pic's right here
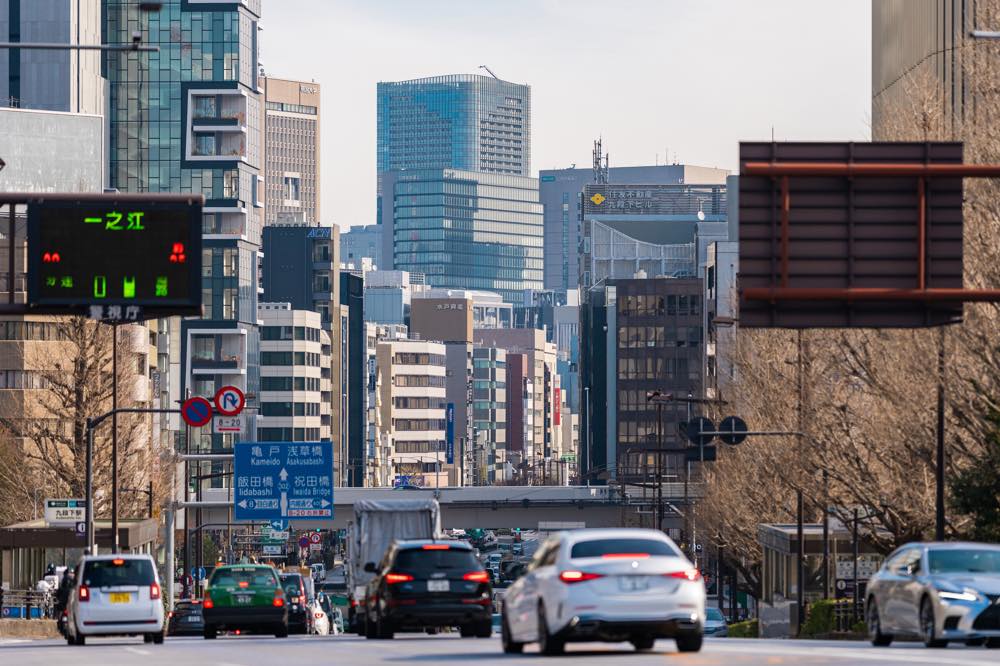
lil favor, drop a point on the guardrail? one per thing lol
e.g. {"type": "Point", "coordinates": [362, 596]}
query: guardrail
{"type": "Point", "coordinates": [26, 604]}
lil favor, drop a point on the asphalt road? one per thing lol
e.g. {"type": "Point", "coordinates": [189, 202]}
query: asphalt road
{"type": "Point", "coordinates": [450, 649]}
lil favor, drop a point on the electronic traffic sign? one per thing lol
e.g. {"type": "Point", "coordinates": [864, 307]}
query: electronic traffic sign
{"type": "Point", "coordinates": [283, 480]}
{"type": "Point", "coordinates": [139, 251]}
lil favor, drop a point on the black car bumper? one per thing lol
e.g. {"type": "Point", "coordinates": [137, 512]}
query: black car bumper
{"type": "Point", "coordinates": [184, 628]}
{"type": "Point", "coordinates": [590, 628]}
{"type": "Point", "coordinates": [418, 616]}
{"type": "Point", "coordinates": [244, 618]}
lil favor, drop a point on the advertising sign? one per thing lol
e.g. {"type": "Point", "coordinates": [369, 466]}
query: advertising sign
{"type": "Point", "coordinates": [450, 433]}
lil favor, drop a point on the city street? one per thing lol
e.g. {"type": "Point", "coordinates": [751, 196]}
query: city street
{"type": "Point", "coordinates": [419, 649]}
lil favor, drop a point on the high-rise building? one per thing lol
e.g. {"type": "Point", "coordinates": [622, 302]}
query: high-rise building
{"type": "Point", "coordinates": [559, 191]}
{"type": "Point", "coordinates": [486, 449]}
{"type": "Point", "coordinates": [291, 151]}
{"type": "Point", "coordinates": [294, 390]}
{"type": "Point", "coordinates": [360, 242]}
{"type": "Point", "coordinates": [52, 80]}
{"type": "Point", "coordinates": [461, 121]}
{"type": "Point", "coordinates": [187, 118]}
{"type": "Point", "coordinates": [464, 229]}
{"type": "Point", "coordinates": [354, 362]}
{"type": "Point", "coordinates": [919, 51]}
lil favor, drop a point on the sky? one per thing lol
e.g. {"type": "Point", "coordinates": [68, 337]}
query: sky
{"type": "Point", "coordinates": [688, 79]}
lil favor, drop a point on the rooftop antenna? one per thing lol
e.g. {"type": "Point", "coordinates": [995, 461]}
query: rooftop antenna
{"type": "Point", "coordinates": [490, 71]}
{"type": "Point", "coordinates": [600, 170]}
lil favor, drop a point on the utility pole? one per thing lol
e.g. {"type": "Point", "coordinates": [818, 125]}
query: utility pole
{"type": "Point", "coordinates": [939, 513]}
{"type": "Point", "coordinates": [114, 437]}
{"type": "Point", "coordinates": [800, 583]}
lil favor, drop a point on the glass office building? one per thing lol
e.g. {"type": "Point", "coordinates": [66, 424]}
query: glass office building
{"type": "Point", "coordinates": [466, 229]}
{"type": "Point", "coordinates": [461, 121]}
{"type": "Point", "coordinates": [188, 119]}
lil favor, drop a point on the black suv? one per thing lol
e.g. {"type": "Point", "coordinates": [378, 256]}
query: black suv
{"type": "Point", "coordinates": [297, 593]}
{"type": "Point", "coordinates": [423, 585]}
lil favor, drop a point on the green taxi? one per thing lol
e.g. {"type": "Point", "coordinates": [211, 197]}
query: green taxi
{"type": "Point", "coordinates": [245, 597]}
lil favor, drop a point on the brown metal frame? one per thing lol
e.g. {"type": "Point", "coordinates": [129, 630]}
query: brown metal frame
{"type": "Point", "coordinates": [14, 199]}
{"type": "Point", "coordinates": [922, 172]}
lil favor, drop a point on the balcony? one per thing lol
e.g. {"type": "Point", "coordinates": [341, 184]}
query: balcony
{"type": "Point", "coordinates": [221, 364]}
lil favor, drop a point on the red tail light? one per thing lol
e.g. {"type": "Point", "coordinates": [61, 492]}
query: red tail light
{"type": "Point", "coordinates": [631, 556]}
{"type": "Point", "coordinates": [279, 599]}
{"type": "Point", "coordinates": [577, 576]}
{"type": "Point", "coordinates": [170, 614]}
{"type": "Point", "coordinates": [436, 546]}
{"type": "Point", "coordinates": [208, 603]}
{"type": "Point", "coordinates": [244, 584]}
{"type": "Point", "coordinates": [83, 594]}
{"type": "Point", "coordinates": [687, 574]}
{"type": "Point", "coordinates": [477, 576]}
{"type": "Point", "coordinates": [393, 578]}
{"type": "Point", "coordinates": [154, 591]}
{"type": "Point", "coordinates": [354, 603]}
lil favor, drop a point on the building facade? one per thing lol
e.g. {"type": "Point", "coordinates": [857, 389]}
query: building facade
{"type": "Point", "coordinates": [486, 451]}
{"type": "Point", "coordinates": [294, 393]}
{"type": "Point", "coordinates": [637, 336]}
{"type": "Point", "coordinates": [354, 362]}
{"type": "Point", "coordinates": [360, 242]}
{"type": "Point", "coordinates": [48, 79]}
{"type": "Point", "coordinates": [559, 192]}
{"type": "Point", "coordinates": [464, 229]}
{"type": "Point", "coordinates": [291, 150]}
{"type": "Point", "coordinates": [412, 420]}
{"type": "Point", "coordinates": [461, 121]}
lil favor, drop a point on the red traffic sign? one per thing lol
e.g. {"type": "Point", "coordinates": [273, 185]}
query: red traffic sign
{"type": "Point", "coordinates": [315, 537]}
{"type": "Point", "coordinates": [196, 412]}
{"type": "Point", "coordinates": [230, 401]}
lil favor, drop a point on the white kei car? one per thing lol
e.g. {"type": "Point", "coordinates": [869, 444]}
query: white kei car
{"type": "Point", "coordinates": [605, 585]}
{"type": "Point", "coordinates": [115, 595]}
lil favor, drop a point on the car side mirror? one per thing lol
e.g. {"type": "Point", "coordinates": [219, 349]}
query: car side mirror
{"type": "Point", "coordinates": [370, 567]}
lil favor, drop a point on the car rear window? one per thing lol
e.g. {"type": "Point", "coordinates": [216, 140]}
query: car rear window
{"type": "Point", "coordinates": [110, 573]}
{"type": "Point", "coordinates": [418, 559]}
{"type": "Point", "coordinates": [251, 576]}
{"type": "Point", "coordinates": [714, 614]}
{"type": "Point", "coordinates": [293, 584]}
{"type": "Point", "coordinates": [964, 560]}
{"type": "Point", "coordinates": [623, 548]}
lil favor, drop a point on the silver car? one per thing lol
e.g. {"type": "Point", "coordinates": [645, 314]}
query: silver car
{"type": "Point", "coordinates": [715, 622]}
{"type": "Point", "coordinates": [937, 592]}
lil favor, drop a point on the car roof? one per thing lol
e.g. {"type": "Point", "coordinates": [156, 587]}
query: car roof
{"type": "Point", "coordinates": [952, 545]}
{"type": "Point", "coordinates": [116, 556]}
{"type": "Point", "coordinates": [222, 567]}
{"type": "Point", "coordinates": [419, 543]}
{"type": "Point", "coordinates": [576, 536]}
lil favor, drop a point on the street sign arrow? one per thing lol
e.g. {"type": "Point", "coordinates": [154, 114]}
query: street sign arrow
{"type": "Point", "coordinates": [230, 400]}
{"type": "Point", "coordinates": [242, 504]}
{"type": "Point", "coordinates": [323, 504]}
{"type": "Point", "coordinates": [733, 429]}
{"type": "Point", "coordinates": [283, 474]}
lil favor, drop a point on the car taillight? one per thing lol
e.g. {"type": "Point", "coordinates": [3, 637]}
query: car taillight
{"type": "Point", "coordinates": [279, 599]}
{"type": "Point", "coordinates": [577, 576]}
{"type": "Point", "coordinates": [392, 578]}
{"type": "Point", "coordinates": [302, 600]}
{"type": "Point", "coordinates": [170, 614]}
{"type": "Point", "coordinates": [477, 577]}
{"type": "Point", "coordinates": [436, 546]}
{"type": "Point", "coordinates": [244, 584]}
{"type": "Point", "coordinates": [208, 603]}
{"type": "Point", "coordinates": [686, 574]}
{"type": "Point", "coordinates": [154, 591]}
{"type": "Point", "coordinates": [631, 556]}
{"type": "Point", "coordinates": [83, 594]}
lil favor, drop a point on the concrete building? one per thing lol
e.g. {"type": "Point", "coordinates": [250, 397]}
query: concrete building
{"type": "Point", "coordinates": [46, 79]}
{"type": "Point", "coordinates": [291, 150]}
{"type": "Point", "coordinates": [378, 441]}
{"type": "Point", "coordinates": [388, 295]}
{"type": "Point", "coordinates": [294, 393]}
{"type": "Point", "coordinates": [354, 393]}
{"type": "Point", "coordinates": [559, 192]}
{"type": "Point", "coordinates": [919, 48]}
{"type": "Point", "coordinates": [489, 310]}
{"type": "Point", "coordinates": [721, 316]}
{"type": "Point", "coordinates": [441, 319]}
{"type": "Point", "coordinates": [654, 229]}
{"type": "Point", "coordinates": [412, 420]}
{"type": "Point", "coordinates": [637, 335]}
{"type": "Point", "coordinates": [360, 242]}
{"type": "Point", "coordinates": [464, 229]}
{"type": "Point", "coordinates": [485, 456]}
{"type": "Point", "coordinates": [534, 399]}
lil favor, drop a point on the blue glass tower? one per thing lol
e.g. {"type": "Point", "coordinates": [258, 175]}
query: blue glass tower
{"type": "Point", "coordinates": [187, 119]}
{"type": "Point", "coordinates": [461, 121]}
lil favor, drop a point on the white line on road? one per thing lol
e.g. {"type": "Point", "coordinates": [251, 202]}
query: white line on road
{"type": "Point", "coordinates": [13, 641]}
{"type": "Point", "coordinates": [851, 654]}
{"type": "Point", "coordinates": [134, 650]}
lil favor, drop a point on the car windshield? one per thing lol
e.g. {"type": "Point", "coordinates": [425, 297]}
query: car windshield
{"type": "Point", "coordinates": [251, 576]}
{"type": "Point", "coordinates": [109, 573]}
{"type": "Point", "coordinates": [715, 614]}
{"type": "Point", "coordinates": [292, 584]}
{"type": "Point", "coordinates": [964, 560]}
{"type": "Point", "coordinates": [623, 548]}
{"type": "Point", "coordinates": [418, 559]}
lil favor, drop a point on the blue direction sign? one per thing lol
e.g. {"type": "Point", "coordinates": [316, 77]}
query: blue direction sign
{"type": "Point", "coordinates": [283, 480]}
{"type": "Point", "coordinates": [279, 525]}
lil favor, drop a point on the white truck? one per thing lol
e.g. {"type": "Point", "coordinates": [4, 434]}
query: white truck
{"type": "Point", "coordinates": [376, 524]}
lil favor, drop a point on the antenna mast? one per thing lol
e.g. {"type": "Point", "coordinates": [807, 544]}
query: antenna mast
{"type": "Point", "coordinates": [600, 163]}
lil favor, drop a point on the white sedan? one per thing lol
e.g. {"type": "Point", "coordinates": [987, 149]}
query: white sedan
{"type": "Point", "coordinates": [605, 585]}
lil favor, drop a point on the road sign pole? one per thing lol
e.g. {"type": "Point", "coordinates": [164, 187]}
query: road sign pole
{"type": "Point", "coordinates": [89, 490]}
{"type": "Point", "coordinates": [114, 438]}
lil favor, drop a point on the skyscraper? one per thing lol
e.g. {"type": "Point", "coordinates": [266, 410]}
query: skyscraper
{"type": "Point", "coordinates": [291, 151]}
{"type": "Point", "coordinates": [460, 121]}
{"type": "Point", "coordinates": [188, 119]}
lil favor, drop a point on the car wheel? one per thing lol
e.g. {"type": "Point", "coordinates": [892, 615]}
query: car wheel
{"type": "Point", "coordinates": [992, 643]}
{"type": "Point", "coordinates": [689, 642]}
{"type": "Point", "coordinates": [70, 640]}
{"type": "Point", "coordinates": [158, 639]}
{"type": "Point", "coordinates": [485, 629]}
{"type": "Point", "coordinates": [875, 634]}
{"type": "Point", "coordinates": [510, 646]}
{"type": "Point", "coordinates": [976, 642]}
{"type": "Point", "coordinates": [281, 631]}
{"type": "Point", "coordinates": [547, 643]}
{"type": "Point", "coordinates": [147, 638]}
{"type": "Point", "coordinates": [369, 628]}
{"type": "Point", "coordinates": [79, 639]}
{"type": "Point", "coordinates": [210, 632]}
{"type": "Point", "coordinates": [928, 627]}
{"type": "Point", "coordinates": [643, 643]}
{"type": "Point", "coordinates": [385, 630]}
{"type": "Point", "coordinates": [466, 631]}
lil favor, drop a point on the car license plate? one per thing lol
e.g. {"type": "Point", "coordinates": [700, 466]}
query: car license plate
{"type": "Point", "coordinates": [243, 598]}
{"type": "Point", "coordinates": [120, 597]}
{"type": "Point", "coordinates": [192, 618]}
{"type": "Point", "coordinates": [438, 586]}
{"type": "Point", "coordinates": [633, 583]}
